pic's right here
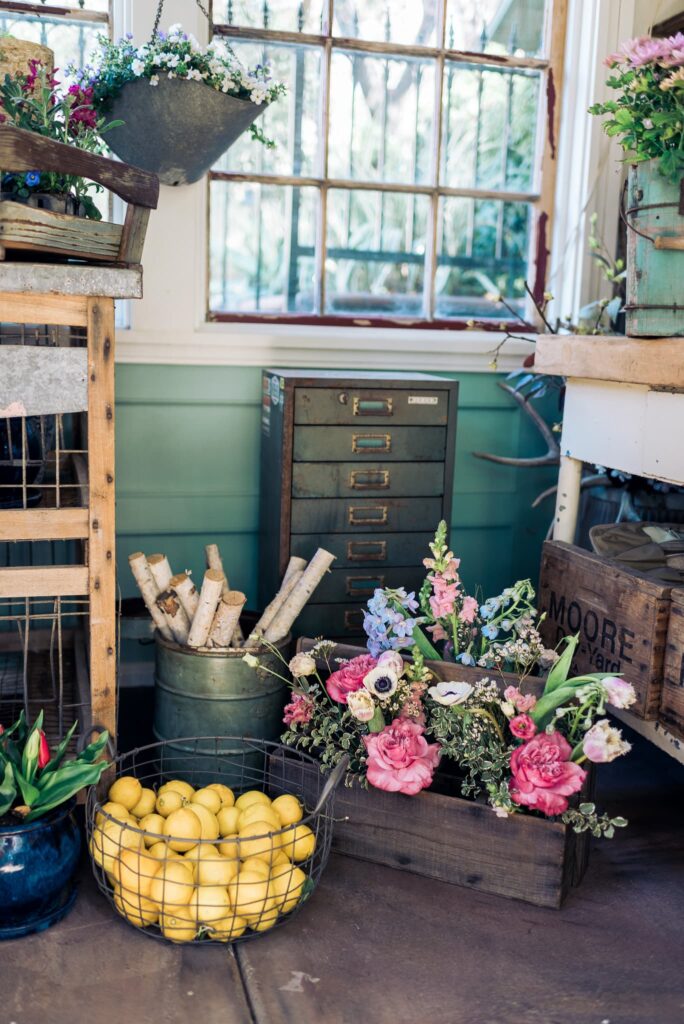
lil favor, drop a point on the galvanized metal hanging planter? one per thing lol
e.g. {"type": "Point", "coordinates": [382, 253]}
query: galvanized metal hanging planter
{"type": "Point", "coordinates": [654, 216]}
{"type": "Point", "coordinates": [178, 128]}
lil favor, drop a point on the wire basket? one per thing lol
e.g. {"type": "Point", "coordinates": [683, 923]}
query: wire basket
{"type": "Point", "coordinates": [215, 874]}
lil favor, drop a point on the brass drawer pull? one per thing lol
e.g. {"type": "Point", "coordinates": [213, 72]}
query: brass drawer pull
{"type": "Point", "coordinates": [366, 550]}
{"type": "Point", "coordinates": [373, 406]}
{"type": "Point", "coordinates": [362, 515]}
{"type": "Point", "coordinates": [364, 586]}
{"type": "Point", "coordinates": [369, 479]}
{"type": "Point", "coordinates": [353, 620]}
{"type": "Point", "coordinates": [363, 443]}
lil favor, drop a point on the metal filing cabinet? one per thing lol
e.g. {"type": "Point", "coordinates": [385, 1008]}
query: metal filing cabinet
{"type": "Point", "coordinates": [359, 464]}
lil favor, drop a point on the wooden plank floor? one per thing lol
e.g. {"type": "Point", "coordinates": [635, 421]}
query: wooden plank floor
{"type": "Point", "coordinates": [376, 946]}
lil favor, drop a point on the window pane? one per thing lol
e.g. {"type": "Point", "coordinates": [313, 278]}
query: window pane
{"type": "Point", "coordinates": [396, 21]}
{"type": "Point", "coordinates": [70, 40]}
{"type": "Point", "coordinates": [292, 121]}
{"type": "Point", "coordinates": [381, 117]}
{"type": "Point", "coordinates": [376, 252]}
{"type": "Point", "coordinates": [496, 26]}
{"type": "Point", "coordinates": [285, 15]}
{"type": "Point", "coordinates": [490, 123]}
{"type": "Point", "coordinates": [262, 248]}
{"type": "Point", "coordinates": [101, 6]}
{"type": "Point", "coordinates": [483, 251]}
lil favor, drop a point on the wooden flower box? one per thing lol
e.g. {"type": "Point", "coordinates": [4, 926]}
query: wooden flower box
{"type": "Point", "coordinates": [671, 713]}
{"type": "Point", "coordinates": [450, 838]}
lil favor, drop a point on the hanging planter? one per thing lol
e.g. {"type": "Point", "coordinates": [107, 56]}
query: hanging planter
{"type": "Point", "coordinates": [182, 106]}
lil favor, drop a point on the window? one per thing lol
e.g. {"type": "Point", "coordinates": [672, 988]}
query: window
{"type": "Point", "coordinates": [413, 177]}
{"type": "Point", "coordinates": [69, 30]}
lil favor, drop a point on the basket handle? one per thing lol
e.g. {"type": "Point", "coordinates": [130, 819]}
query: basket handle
{"type": "Point", "coordinates": [332, 783]}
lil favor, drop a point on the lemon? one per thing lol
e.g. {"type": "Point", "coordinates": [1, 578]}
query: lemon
{"type": "Point", "coordinates": [193, 857]}
{"type": "Point", "coordinates": [209, 827]}
{"type": "Point", "coordinates": [252, 796]}
{"type": "Point", "coordinates": [228, 928]}
{"type": "Point", "coordinates": [287, 887]}
{"type": "Point", "coordinates": [216, 870]}
{"type": "Point", "coordinates": [117, 811]}
{"type": "Point", "coordinates": [178, 786]}
{"type": "Point", "coordinates": [209, 903]}
{"type": "Point", "coordinates": [109, 840]}
{"type": "Point", "coordinates": [250, 895]}
{"type": "Point", "coordinates": [280, 859]}
{"type": "Point", "coordinates": [208, 798]}
{"type": "Point", "coordinates": [136, 909]}
{"type": "Point", "coordinates": [228, 847]}
{"type": "Point", "coordinates": [225, 792]}
{"type": "Point", "coordinates": [183, 829]}
{"type": "Point", "coordinates": [172, 886]}
{"type": "Point", "coordinates": [259, 812]}
{"type": "Point", "coordinates": [257, 840]}
{"type": "Point", "coordinates": [299, 842]}
{"type": "Point", "coordinates": [265, 920]}
{"type": "Point", "coordinates": [257, 865]}
{"type": "Point", "coordinates": [168, 802]}
{"type": "Point", "coordinates": [179, 926]}
{"type": "Point", "coordinates": [162, 851]}
{"type": "Point", "coordinates": [145, 804]}
{"type": "Point", "coordinates": [135, 870]}
{"type": "Point", "coordinates": [228, 818]}
{"type": "Point", "coordinates": [288, 809]}
{"type": "Point", "coordinates": [126, 791]}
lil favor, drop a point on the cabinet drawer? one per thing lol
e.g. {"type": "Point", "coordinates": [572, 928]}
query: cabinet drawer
{"type": "Point", "coordinates": [364, 550]}
{"type": "Point", "coordinates": [348, 479]}
{"type": "Point", "coordinates": [375, 405]}
{"type": "Point", "coordinates": [355, 586]}
{"type": "Point", "coordinates": [332, 621]}
{"type": "Point", "coordinates": [362, 443]}
{"type": "Point", "coordinates": [337, 515]}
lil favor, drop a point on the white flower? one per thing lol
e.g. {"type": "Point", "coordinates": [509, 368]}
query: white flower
{"type": "Point", "coordinates": [258, 95]}
{"type": "Point", "coordinates": [173, 60]}
{"type": "Point", "coordinates": [250, 660]}
{"type": "Point", "coordinates": [171, 74]}
{"type": "Point", "coordinates": [500, 810]}
{"type": "Point", "coordinates": [302, 665]}
{"type": "Point", "coordinates": [361, 706]}
{"type": "Point", "coordinates": [137, 67]}
{"type": "Point", "coordinates": [450, 693]}
{"type": "Point", "coordinates": [618, 693]}
{"type": "Point", "coordinates": [195, 74]}
{"type": "Point", "coordinates": [508, 708]}
{"type": "Point", "coordinates": [154, 80]}
{"type": "Point", "coordinates": [393, 660]}
{"type": "Point", "coordinates": [603, 743]}
{"type": "Point", "coordinates": [647, 122]}
{"type": "Point", "coordinates": [176, 30]}
{"type": "Point", "coordinates": [381, 682]}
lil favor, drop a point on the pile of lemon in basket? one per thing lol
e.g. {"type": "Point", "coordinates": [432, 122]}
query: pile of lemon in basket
{"type": "Point", "coordinates": [201, 863]}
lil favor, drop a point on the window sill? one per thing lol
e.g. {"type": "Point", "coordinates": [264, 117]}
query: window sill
{"type": "Point", "coordinates": [322, 347]}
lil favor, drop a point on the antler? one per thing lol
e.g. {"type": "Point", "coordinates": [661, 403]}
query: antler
{"type": "Point", "coordinates": [552, 455]}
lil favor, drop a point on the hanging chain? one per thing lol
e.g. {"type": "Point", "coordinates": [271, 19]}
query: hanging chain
{"type": "Point", "coordinates": [160, 7]}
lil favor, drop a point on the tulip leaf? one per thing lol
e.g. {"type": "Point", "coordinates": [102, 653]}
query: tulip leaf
{"type": "Point", "coordinates": [377, 722]}
{"type": "Point", "coordinates": [94, 749]}
{"type": "Point", "coordinates": [58, 756]}
{"type": "Point", "coordinates": [424, 645]}
{"type": "Point", "coordinates": [8, 790]}
{"type": "Point", "coordinates": [29, 792]}
{"type": "Point", "coordinates": [64, 785]}
{"type": "Point", "coordinates": [560, 671]}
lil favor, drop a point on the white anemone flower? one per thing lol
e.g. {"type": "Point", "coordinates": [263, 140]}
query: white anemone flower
{"type": "Point", "coordinates": [381, 682]}
{"type": "Point", "coordinates": [450, 693]}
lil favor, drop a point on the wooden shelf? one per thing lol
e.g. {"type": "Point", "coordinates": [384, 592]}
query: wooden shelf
{"type": "Point", "coordinates": [654, 732]}
{"type": "Point", "coordinates": [655, 362]}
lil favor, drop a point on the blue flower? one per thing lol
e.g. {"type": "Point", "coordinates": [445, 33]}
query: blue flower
{"type": "Point", "coordinates": [465, 658]}
{"type": "Point", "coordinates": [491, 632]}
{"type": "Point", "coordinates": [32, 178]}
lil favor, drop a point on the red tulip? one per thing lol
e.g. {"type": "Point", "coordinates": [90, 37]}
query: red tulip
{"type": "Point", "coordinates": [43, 751]}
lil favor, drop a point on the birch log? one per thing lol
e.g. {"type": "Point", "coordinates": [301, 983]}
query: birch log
{"type": "Point", "coordinates": [214, 561]}
{"type": "Point", "coordinates": [185, 589]}
{"type": "Point", "coordinates": [148, 589]}
{"type": "Point", "coordinates": [176, 617]}
{"type": "Point", "coordinates": [210, 595]}
{"type": "Point", "coordinates": [226, 619]}
{"type": "Point", "coordinates": [292, 606]}
{"type": "Point", "coordinates": [161, 571]}
{"type": "Point", "coordinates": [272, 609]}
{"type": "Point", "coordinates": [295, 564]}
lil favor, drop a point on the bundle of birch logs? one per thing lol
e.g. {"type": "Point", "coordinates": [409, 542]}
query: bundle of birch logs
{"type": "Point", "coordinates": [210, 620]}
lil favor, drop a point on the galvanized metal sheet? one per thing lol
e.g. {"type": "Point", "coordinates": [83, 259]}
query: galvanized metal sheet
{"type": "Point", "coordinates": [42, 381]}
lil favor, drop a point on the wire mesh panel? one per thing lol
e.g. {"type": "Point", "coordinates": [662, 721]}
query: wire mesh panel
{"type": "Point", "coordinates": [220, 863]}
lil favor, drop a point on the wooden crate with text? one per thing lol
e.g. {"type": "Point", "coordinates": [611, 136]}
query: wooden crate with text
{"type": "Point", "coordinates": [671, 713]}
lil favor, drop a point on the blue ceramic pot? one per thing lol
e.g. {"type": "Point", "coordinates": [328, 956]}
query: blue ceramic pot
{"type": "Point", "coordinates": [38, 862]}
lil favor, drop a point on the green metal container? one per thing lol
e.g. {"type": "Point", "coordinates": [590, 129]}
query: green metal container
{"type": "Point", "coordinates": [654, 217]}
{"type": "Point", "coordinates": [199, 694]}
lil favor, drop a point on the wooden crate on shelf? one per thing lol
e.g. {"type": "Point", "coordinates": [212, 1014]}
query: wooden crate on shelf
{"type": "Point", "coordinates": [621, 616]}
{"type": "Point", "coordinates": [671, 713]}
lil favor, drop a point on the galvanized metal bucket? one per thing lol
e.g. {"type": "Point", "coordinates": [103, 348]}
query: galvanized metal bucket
{"type": "Point", "coordinates": [214, 694]}
{"type": "Point", "coordinates": [655, 254]}
{"type": "Point", "coordinates": [178, 128]}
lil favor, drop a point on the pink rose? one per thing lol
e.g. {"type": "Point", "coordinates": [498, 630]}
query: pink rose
{"type": "Point", "coordinates": [543, 774]}
{"type": "Point", "coordinates": [520, 701]}
{"type": "Point", "coordinates": [400, 760]}
{"type": "Point", "coordinates": [523, 727]}
{"type": "Point", "coordinates": [468, 609]}
{"type": "Point", "coordinates": [349, 677]}
{"type": "Point", "coordinates": [299, 710]}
